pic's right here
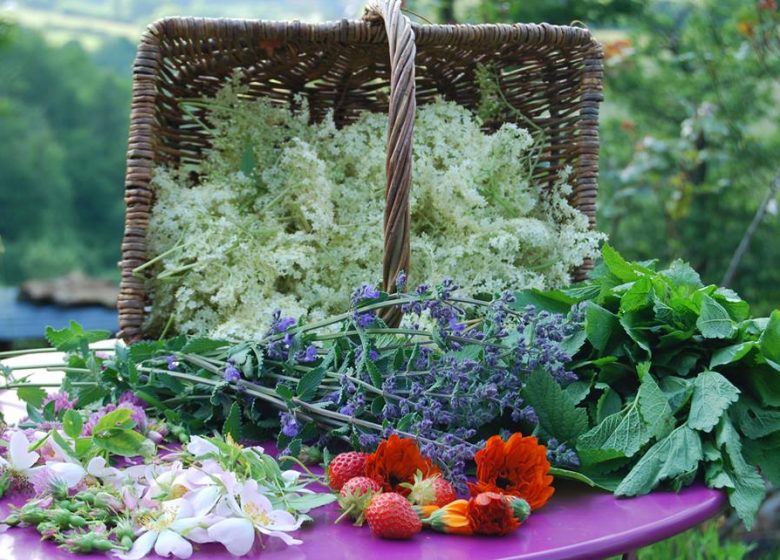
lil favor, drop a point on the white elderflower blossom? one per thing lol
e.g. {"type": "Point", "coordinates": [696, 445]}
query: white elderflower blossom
{"type": "Point", "coordinates": [289, 215]}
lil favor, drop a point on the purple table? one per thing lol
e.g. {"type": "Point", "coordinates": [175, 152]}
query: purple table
{"type": "Point", "coordinates": [576, 523]}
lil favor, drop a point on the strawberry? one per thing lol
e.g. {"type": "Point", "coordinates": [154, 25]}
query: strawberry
{"type": "Point", "coordinates": [345, 466]}
{"type": "Point", "coordinates": [355, 496]}
{"type": "Point", "coordinates": [433, 490]}
{"type": "Point", "coordinates": [391, 516]}
{"type": "Point", "coordinates": [445, 492]}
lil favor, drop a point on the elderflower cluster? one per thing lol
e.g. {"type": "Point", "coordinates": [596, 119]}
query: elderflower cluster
{"type": "Point", "coordinates": [287, 214]}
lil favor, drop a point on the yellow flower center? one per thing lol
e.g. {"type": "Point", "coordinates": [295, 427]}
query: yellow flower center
{"type": "Point", "coordinates": [159, 520]}
{"type": "Point", "coordinates": [257, 515]}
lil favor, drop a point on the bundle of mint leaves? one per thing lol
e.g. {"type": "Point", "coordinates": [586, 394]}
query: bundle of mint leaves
{"type": "Point", "coordinates": [675, 380]}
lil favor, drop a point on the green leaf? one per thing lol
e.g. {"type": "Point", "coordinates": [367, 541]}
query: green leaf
{"type": "Point", "coordinates": [765, 382]}
{"type": "Point", "coordinates": [638, 296]}
{"type": "Point", "coordinates": [654, 407]}
{"type": "Point", "coordinates": [82, 446]}
{"type": "Point", "coordinates": [308, 384]}
{"type": "Point", "coordinates": [625, 432]}
{"type": "Point", "coordinates": [73, 337]}
{"type": "Point", "coordinates": [232, 424]}
{"type": "Point", "coordinates": [749, 489]}
{"type": "Point", "coordinates": [714, 321]}
{"type": "Point", "coordinates": [143, 350]}
{"type": "Point", "coordinates": [554, 301]}
{"type": "Point", "coordinates": [681, 274]}
{"type": "Point", "coordinates": [374, 373]}
{"type": "Point", "coordinates": [765, 454]}
{"type": "Point", "coordinates": [285, 392]}
{"type": "Point", "coordinates": [72, 423]}
{"type": "Point", "coordinates": [558, 415]}
{"type": "Point", "coordinates": [203, 345]}
{"type": "Point", "coordinates": [116, 419]}
{"type": "Point", "coordinates": [731, 354]}
{"type": "Point", "coordinates": [578, 390]}
{"type": "Point", "coordinates": [55, 435]}
{"type": "Point", "coordinates": [755, 421]}
{"type": "Point", "coordinates": [675, 455]}
{"type": "Point", "coordinates": [715, 476]}
{"type": "Point", "coordinates": [126, 443]}
{"type": "Point", "coordinates": [634, 324]}
{"type": "Point", "coordinates": [617, 265]}
{"type": "Point", "coordinates": [738, 309]}
{"type": "Point", "coordinates": [248, 162]}
{"type": "Point", "coordinates": [609, 403]}
{"type": "Point", "coordinates": [769, 343]}
{"type": "Point", "coordinates": [31, 395]}
{"type": "Point", "coordinates": [600, 324]}
{"type": "Point", "coordinates": [713, 394]}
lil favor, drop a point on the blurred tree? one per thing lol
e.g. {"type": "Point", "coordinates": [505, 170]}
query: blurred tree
{"type": "Point", "coordinates": [691, 157]}
{"type": "Point", "coordinates": [62, 146]}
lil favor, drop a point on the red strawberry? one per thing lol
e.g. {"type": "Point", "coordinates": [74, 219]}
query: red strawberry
{"type": "Point", "coordinates": [391, 516]}
{"type": "Point", "coordinates": [433, 490]}
{"type": "Point", "coordinates": [445, 492]}
{"type": "Point", "coordinates": [345, 466]}
{"type": "Point", "coordinates": [355, 496]}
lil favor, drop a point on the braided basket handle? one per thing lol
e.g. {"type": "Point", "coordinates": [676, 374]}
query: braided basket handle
{"type": "Point", "coordinates": [400, 126]}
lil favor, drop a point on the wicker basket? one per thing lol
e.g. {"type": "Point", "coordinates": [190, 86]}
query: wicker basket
{"type": "Point", "coordinates": [551, 75]}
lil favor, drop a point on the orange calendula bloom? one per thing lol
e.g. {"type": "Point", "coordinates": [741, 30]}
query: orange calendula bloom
{"type": "Point", "coordinates": [490, 513]}
{"type": "Point", "coordinates": [452, 518]}
{"type": "Point", "coordinates": [517, 467]}
{"type": "Point", "coordinates": [396, 461]}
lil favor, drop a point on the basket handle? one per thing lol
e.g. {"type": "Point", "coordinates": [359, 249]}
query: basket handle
{"type": "Point", "coordinates": [400, 126]}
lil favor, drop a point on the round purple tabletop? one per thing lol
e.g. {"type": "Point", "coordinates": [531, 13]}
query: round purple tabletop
{"type": "Point", "coordinates": [576, 523]}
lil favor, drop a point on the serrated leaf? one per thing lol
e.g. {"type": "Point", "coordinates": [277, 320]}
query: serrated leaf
{"type": "Point", "coordinates": [558, 415]}
{"type": "Point", "coordinates": [749, 488]}
{"type": "Point", "coordinates": [737, 308]}
{"type": "Point", "coordinates": [765, 454]}
{"type": "Point", "coordinates": [755, 421]}
{"type": "Point", "coordinates": [638, 296]}
{"type": "Point", "coordinates": [203, 345]}
{"type": "Point", "coordinates": [713, 394]}
{"type": "Point", "coordinates": [578, 390]}
{"type": "Point", "coordinates": [374, 373]}
{"type": "Point", "coordinates": [714, 321]}
{"type": "Point", "coordinates": [716, 476]}
{"type": "Point", "coordinates": [680, 273]}
{"type": "Point", "coordinates": [731, 354]}
{"type": "Point", "coordinates": [676, 454]}
{"type": "Point", "coordinates": [600, 324]}
{"type": "Point", "coordinates": [308, 384]}
{"type": "Point", "coordinates": [72, 423]}
{"type": "Point", "coordinates": [73, 337]}
{"type": "Point", "coordinates": [634, 325]}
{"type": "Point", "coordinates": [285, 392]}
{"type": "Point", "coordinates": [143, 350]}
{"type": "Point", "coordinates": [654, 407]}
{"type": "Point", "coordinates": [232, 425]}
{"type": "Point", "coordinates": [617, 265]}
{"type": "Point", "coordinates": [31, 395]}
{"type": "Point", "coordinates": [624, 432]}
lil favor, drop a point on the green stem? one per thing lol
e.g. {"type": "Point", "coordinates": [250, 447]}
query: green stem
{"type": "Point", "coordinates": [12, 353]}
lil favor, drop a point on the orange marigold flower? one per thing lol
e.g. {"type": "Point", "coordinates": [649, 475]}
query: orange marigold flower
{"type": "Point", "coordinates": [490, 513]}
{"type": "Point", "coordinates": [517, 467]}
{"type": "Point", "coordinates": [452, 518]}
{"type": "Point", "coordinates": [396, 461]}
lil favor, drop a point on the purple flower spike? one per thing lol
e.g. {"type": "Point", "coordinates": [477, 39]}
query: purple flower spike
{"type": "Point", "coordinates": [232, 375]}
{"type": "Point", "coordinates": [290, 426]}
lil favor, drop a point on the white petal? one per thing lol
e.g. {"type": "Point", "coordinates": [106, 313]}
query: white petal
{"type": "Point", "coordinates": [284, 521]}
{"type": "Point", "coordinates": [70, 473]}
{"type": "Point", "coordinates": [19, 457]}
{"type": "Point", "coordinates": [237, 535]}
{"type": "Point", "coordinates": [96, 466]}
{"type": "Point", "coordinates": [203, 501]}
{"type": "Point", "coordinates": [199, 446]}
{"type": "Point", "coordinates": [141, 547]}
{"type": "Point", "coordinates": [170, 543]}
{"type": "Point", "coordinates": [291, 476]}
{"type": "Point", "coordinates": [287, 539]}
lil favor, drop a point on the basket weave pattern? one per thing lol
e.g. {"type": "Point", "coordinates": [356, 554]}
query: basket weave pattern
{"type": "Point", "coordinates": [551, 76]}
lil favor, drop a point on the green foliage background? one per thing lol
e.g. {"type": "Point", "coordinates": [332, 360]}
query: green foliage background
{"type": "Point", "coordinates": [689, 128]}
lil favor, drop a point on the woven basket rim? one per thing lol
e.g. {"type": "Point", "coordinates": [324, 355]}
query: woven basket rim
{"type": "Point", "coordinates": [359, 31]}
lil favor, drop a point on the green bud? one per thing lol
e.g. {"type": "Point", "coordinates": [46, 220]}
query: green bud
{"type": "Point", "coordinates": [13, 520]}
{"type": "Point", "coordinates": [520, 508]}
{"type": "Point", "coordinates": [32, 516]}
